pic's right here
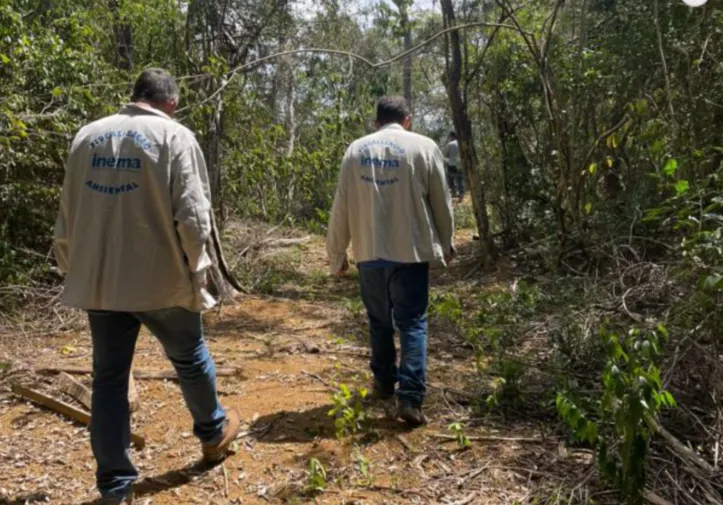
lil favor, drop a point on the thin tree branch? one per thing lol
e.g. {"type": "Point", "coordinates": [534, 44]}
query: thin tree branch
{"type": "Point", "coordinates": [247, 66]}
{"type": "Point", "coordinates": [662, 59]}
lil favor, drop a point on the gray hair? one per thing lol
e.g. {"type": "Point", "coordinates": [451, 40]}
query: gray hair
{"type": "Point", "coordinates": [392, 109]}
{"type": "Point", "coordinates": [155, 85]}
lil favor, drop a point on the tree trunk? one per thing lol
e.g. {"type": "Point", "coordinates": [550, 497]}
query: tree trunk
{"type": "Point", "coordinates": [463, 127]}
{"type": "Point", "coordinates": [123, 37]}
{"type": "Point", "coordinates": [403, 7]}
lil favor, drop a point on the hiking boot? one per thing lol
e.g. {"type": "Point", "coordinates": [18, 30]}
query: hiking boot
{"type": "Point", "coordinates": [413, 416]}
{"type": "Point", "coordinates": [381, 392]}
{"type": "Point", "coordinates": [215, 453]}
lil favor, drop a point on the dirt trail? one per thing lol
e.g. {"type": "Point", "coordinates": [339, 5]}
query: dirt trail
{"type": "Point", "coordinates": [290, 351]}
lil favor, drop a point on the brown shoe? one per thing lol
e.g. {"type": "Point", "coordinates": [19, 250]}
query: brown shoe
{"type": "Point", "coordinates": [217, 452]}
{"type": "Point", "coordinates": [413, 416]}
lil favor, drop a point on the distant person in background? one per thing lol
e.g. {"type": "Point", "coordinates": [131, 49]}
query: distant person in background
{"type": "Point", "coordinates": [135, 216]}
{"type": "Point", "coordinates": [393, 204]}
{"type": "Point", "coordinates": [455, 173]}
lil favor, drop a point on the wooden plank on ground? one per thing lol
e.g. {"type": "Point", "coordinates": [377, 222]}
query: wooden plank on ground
{"type": "Point", "coordinates": [65, 409]}
{"type": "Point", "coordinates": [138, 374]}
{"type": "Point", "coordinates": [82, 394]}
{"type": "Point", "coordinates": [74, 389]}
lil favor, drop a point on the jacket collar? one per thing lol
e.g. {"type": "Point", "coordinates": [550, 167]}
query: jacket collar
{"type": "Point", "coordinates": [134, 108]}
{"type": "Point", "coordinates": [391, 126]}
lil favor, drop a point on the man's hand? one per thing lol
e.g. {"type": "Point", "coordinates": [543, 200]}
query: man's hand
{"type": "Point", "coordinates": [344, 268]}
{"type": "Point", "coordinates": [448, 257]}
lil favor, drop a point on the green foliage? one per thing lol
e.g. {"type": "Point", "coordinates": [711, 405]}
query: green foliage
{"type": "Point", "coordinates": [316, 477]}
{"type": "Point", "coordinates": [621, 425]}
{"type": "Point", "coordinates": [348, 410]}
{"type": "Point", "coordinates": [462, 440]}
{"type": "Point", "coordinates": [363, 466]}
{"type": "Point", "coordinates": [491, 323]}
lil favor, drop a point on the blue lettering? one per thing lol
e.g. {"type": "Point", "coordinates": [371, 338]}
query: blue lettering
{"type": "Point", "coordinates": [379, 162]}
{"type": "Point", "coordinates": [138, 138]}
{"type": "Point", "coordinates": [379, 182]}
{"type": "Point", "coordinates": [111, 190]}
{"type": "Point", "coordinates": [99, 161]}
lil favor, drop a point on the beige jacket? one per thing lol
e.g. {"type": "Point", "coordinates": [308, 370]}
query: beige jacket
{"type": "Point", "coordinates": [135, 215]}
{"type": "Point", "coordinates": [392, 201]}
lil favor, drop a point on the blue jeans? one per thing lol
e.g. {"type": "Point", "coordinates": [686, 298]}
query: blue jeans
{"type": "Point", "coordinates": [398, 295]}
{"type": "Point", "coordinates": [455, 180]}
{"type": "Point", "coordinates": [114, 340]}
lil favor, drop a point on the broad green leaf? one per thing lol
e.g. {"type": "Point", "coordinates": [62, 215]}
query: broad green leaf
{"type": "Point", "coordinates": [670, 167]}
{"type": "Point", "coordinates": [682, 187]}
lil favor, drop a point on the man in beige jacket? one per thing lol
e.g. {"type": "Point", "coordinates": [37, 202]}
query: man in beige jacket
{"type": "Point", "coordinates": [131, 234]}
{"type": "Point", "coordinates": [393, 204]}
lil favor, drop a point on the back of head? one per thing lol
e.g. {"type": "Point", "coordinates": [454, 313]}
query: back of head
{"type": "Point", "coordinates": [392, 109]}
{"type": "Point", "coordinates": [155, 86]}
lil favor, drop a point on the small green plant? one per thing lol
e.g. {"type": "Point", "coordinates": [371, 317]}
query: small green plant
{"type": "Point", "coordinates": [363, 465]}
{"type": "Point", "coordinates": [316, 477]}
{"type": "Point", "coordinates": [462, 440]}
{"type": "Point", "coordinates": [348, 411]}
{"type": "Point", "coordinates": [627, 411]}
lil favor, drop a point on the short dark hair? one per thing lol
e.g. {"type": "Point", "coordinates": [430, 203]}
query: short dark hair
{"type": "Point", "coordinates": [155, 85]}
{"type": "Point", "coordinates": [453, 134]}
{"type": "Point", "coordinates": [392, 109]}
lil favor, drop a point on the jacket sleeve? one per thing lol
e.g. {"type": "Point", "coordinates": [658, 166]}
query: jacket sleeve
{"type": "Point", "coordinates": [61, 239]}
{"type": "Point", "coordinates": [62, 233]}
{"type": "Point", "coordinates": [339, 235]}
{"type": "Point", "coordinates": [440, 200]}
{"type": "Point", "coordinates": [191, 202]}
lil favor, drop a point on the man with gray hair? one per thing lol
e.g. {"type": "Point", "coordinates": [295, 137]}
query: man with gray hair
{"type": "Point", "coordinates": [131, 235]}
{"type": "Point", "coordinates": [393, 205]}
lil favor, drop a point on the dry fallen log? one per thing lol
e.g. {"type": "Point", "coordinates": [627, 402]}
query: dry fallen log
{"type": "Point", "coordinates": [138, 374]}
{"type": "Point", "coordinates": [65, 409]}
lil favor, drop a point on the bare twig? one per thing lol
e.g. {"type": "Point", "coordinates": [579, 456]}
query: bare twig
{"type": "Point", "coordinates": [406, 443]}
{"type": "Point", "coordinates": [494, 438]}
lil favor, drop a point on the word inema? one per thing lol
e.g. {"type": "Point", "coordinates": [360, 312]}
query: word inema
{"type": "Point", "coordinates": [119, 163]}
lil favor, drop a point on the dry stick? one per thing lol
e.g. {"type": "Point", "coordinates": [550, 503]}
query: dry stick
{"type": "Point", "coordinates": [65, 409]}
{"type": "Point", "coordinates": [406, 443]}
{"type": "Point", "coordinates": [494, 438]}
{"type": "Point", "coordinates": [138, 374]}
{"type": "Point", "coordinates": [681, 450]}
{"type": "Point", "coordinates": [225, 480]}
{"type": "Point", "coordinates": [316, 377]}
{"type": "Point", "coordinates": [222, 264]}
